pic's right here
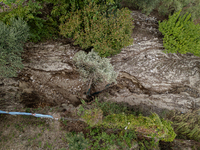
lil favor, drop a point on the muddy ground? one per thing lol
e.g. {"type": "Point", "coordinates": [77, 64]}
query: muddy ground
{"type": "Point", "coordinates": [50, 79]}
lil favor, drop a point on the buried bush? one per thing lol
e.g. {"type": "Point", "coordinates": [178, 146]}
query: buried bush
{"type": "Point", "coordinates": [180, 34]}
{"type": "Point", "coordinates": [166, 7]}
{"type": "Point", "coordinates": [91, 27]}
{"type": "Point", "coordinates": [147, 6]}
{"type": "Point", "coordinates": [187, 125]}
{"type": "Point", "coordinates": [93, 68]}
{"type": "Point", "coordinates": [170, 6]}
{"type": "Point", "coordinates": [76, 141]}
{"type": "Point", "coordinates": [151, 126]}
{"type": "Point", "coordinates": [111, 141]}
{"type": "Point", "coordinates": [12, 39]}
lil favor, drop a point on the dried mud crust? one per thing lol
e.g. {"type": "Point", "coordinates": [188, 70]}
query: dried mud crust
{"type": "Point", "coordinates": [57, 79]}
{"type": "Point", "coordinates": [146, 27]}
{"type": "Point", "coordinates": [46, 84]}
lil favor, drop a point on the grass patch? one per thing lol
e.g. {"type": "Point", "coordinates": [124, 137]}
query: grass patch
{"type": "Point", "coordinates": [28, 132]}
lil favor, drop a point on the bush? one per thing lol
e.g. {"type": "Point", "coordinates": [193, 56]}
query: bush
{"type": "Point", "coordinates": [180, 34]}
{"type": "Point", "coordinates": [12, 40]}
{"type": "Point", "coordinates": [186, 125]}
{"type": "Point", "coordinates": [45, 25]}
{"type": "Point", "coordinates": [92, 67]}
{"type": "Point", "coordinates": [90, 28]}
{"type": "Point", "coordinates": [111, 141]}
{"type": "Point", "coordinates": [166, 7]}
{"type": "Point", "coordinates": [31, 12]}
{"type": "Point", "coordinates": [147, 6]}
{"type": "Point", "coordinates": [151, 126]}
{"type": "Point", "coordinates": [64, 7]}
{"type": "Point", "coordinates": [170, 6]}
{"type": "Point", "coordinates": [77, 141]}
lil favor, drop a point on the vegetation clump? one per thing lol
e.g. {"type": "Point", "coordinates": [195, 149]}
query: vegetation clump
{"type": "Point", "coordinates": [12, 39]}
{"type": "Point", "coordinates": [151, 126]}
{"type": "Point", "coordinates": [180, 34]}
{"type": "Point", "coordinates": [91, 27]}
{"type": "Point", "coordinates": [93, 68]}
{"type": "Point", "coordinates": [77, 141]}
{"type": "Point", "coordinates": [167, 7]}
{"type": "Point", "coordinates": [64, 7]}
{"type": "Point", "coordinates": [31, 12]}
{"type": "Point", "coordinates": [186, 125]}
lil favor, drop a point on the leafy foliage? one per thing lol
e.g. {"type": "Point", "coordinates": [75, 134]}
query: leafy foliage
{"type": "Point", "coordinates": [180, 34]}
{"type": "Point", "coordinates": [92, 117]}
{"type": "Point", "coordinates": [151, 126]}
{"type": "Point", "coordinates": [166, 7]}
{"type": "Point", "coordinates": [169, 6]}
{"type": "Point", "coordinates": [63, 7]}
{"type": "Point", "coordinates": [112, 108]}
{"type": "Point", "coordinates": [91, 27]}
{"type": "Point", "coordinates": [92, 67]}
{"type": "Point", "coordinates": [12, 39]}
{"type": "Point", "coordinates": [187, 124]}
{"type": "Point", "coordinates": [146, 6]}
{"type": "Point", "coordinates": [103, 140]}
{"type": "Point", "coordinates": [77, 141]}
{"type": "Point", "coordinates": [31, 13]}
{"type": "Point", "coordinates": [45, 25]}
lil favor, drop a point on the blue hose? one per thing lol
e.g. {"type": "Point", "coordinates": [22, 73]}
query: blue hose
{"type": "Point", "coordinates": [29, 114]}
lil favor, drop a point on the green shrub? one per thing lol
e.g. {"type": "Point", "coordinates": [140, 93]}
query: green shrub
{"type": "Point", "coordinates": [42, 24]}
{"type": "Point", "coordinates": [169, 6]}
{"type": "Point", "coordinates": [12, 39]}
{"type": "Point", "coordinates": [111, 141]}
{"type": "Point", "coordinates": [187, 124]}
{"type": "Point", "coordinates": [166, 7]}
{"type": "Point", "coordinates": [90, 28]}
{"type": "Point", "coordinates": [111, 108]}
{"type": "Point", "coordinates": [151, 126]}
{"type": "Point", "coordinates": [180, 34]}
{"type": "Point", "coordinates": [147, 6]}
{"type": "Point", "coordinates": [30, 12]}
{"type": "Point", "coordinates": [76, 141]}
{"type": "Point", "coordinates": [94, 68]}
{"type": "Point", "coordinates": [64, 7]}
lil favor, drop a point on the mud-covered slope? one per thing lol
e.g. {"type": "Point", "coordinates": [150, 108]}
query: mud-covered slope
{"type": "Point", "coordinates": [148, 78]}
{"type": "Point", "coordinates": [152, 80]}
